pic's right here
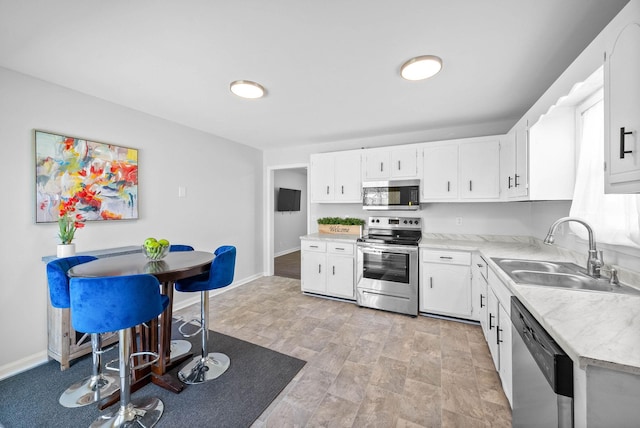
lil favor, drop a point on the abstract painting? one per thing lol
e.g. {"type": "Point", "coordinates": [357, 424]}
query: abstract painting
{"type": "Point", "coordinates": [101, 178]}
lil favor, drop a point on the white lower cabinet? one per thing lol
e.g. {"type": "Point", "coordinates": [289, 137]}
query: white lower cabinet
{"type": "Point", "coordinates": [499, 330]}
{"type": "Point", "coordinates": [327, 268]}
{"type": "Point", "coordinates": [479, 291]}
{"type": "Point", "coordinates": [445, 283]}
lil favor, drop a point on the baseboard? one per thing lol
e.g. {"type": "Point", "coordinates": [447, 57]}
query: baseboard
{"type": "Point", "coordinates": [285, 252]}
{"type": "Point", "coordinates": [41, 357]}
{"type": "Point", "coordinates": [23, 364]}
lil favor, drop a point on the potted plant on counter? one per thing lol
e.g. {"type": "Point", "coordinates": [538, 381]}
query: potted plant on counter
{"type": "Point", "coordinates": [338, 225]}
{"type": "Point", "coordinates": [68, 222]}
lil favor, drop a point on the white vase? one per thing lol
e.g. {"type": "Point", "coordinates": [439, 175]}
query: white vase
{"type": "Point", "coordinates": [66, 250]}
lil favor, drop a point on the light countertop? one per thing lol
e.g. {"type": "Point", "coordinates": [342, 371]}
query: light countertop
{"type": "Point", "coordinates": [594, 328]}
{"type": "Point", "coordinates": [349, 239]}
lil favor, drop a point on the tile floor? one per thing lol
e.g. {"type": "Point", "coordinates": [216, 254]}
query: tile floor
{"type": "Point", "coordinates": [365, 368]}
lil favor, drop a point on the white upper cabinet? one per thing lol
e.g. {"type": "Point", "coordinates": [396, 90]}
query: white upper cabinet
{"type": "Point", "coordinates": [479, 164]}
{"type": "Point", "coordinates": [389, 164]}
{"type": "Point", "coordinates": [348, 181]}
{"type": "Point", "coordinates": [440, 171]}
{"type": "Point", "coordinates": [622, 112]}
{"type": "Point", "coordinates": [461, 170]}
{"type": "Point", "coordinates": [335, 177]}
{"type": "Point", "coordinates": [321, 177]}
{"type": "Point", "coordinates": [376, 164]}
{"type": "Point", "coordinates": [404, 163]}
{"type": "Point", "coordinates": [513, 163]}
{"type": "Point", "coordinates": [521, 173]}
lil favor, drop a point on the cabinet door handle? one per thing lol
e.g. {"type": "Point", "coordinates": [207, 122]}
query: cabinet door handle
{"type": "Point", "coordinates": [490, 320]}
{"type": "Point", "coordinates": [516, 184]}
{"type": "Point", "coordinates": [470, 186]}
{"type": "Point", "coordinates": [622, 150]}
{"type": "Point", "coordinates": [327, 190]}
{"type": "Point", "coordinates": [313, 246]}
{"type": "Point", "coordinates": [448, 186]}
{"type": "Point", "coordinates": [319, 268]}
{"type": "Point", "coordinates": [430, 282]}
{"type": "Point", "coordinates": [480, 265]}
{"type": "Point", "coordinates": [498, 330]}
{"type": "Point", "coordinates": [481, 301]}
{"type": "Point", "coordinates": [334, 270]}
{"type": "Point", "coordinates": [446, 257]}
{"type": "Point", "coordinates": [342, 189]}
{"type": "Point", "coordinates": [509, 183]}
{"type": "Point", "coordinates": [381, 166]}
{"type": "Point", "coordinates": [399, 166]}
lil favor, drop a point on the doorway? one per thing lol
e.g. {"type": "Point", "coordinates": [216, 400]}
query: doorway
{"type": "Point", "coordinates": [285, 224]}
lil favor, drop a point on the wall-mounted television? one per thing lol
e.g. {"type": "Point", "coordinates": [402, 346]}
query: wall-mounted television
{"type": "Point", "coordinates": [288, 200]}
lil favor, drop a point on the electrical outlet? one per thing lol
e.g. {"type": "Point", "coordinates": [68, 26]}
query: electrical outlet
{"type": "Point", "coordinates": [458, 221]}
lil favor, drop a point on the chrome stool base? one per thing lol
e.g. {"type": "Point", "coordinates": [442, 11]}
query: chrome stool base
{"type": "Point", "coordinates": [138, 413]}
{"type": "Point", "coordinates": [200, 369]}
{"type": "Point", "coordinates": [179, 348]}
{"type": "Point", "coordinates": [89, 391]}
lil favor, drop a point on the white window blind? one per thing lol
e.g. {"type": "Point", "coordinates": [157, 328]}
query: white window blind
{"type": "Point", "coordinates": [614, 218]}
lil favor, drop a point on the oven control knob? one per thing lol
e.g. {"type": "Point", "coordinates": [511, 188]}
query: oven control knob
{"type": "Point", "coordinates": [405, 222]}
{"type": "Point", "coordinates": [416, 222]}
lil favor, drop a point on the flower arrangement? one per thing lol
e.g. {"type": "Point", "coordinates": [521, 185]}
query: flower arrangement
{"type": "Point", "coordinates": [68, 220]}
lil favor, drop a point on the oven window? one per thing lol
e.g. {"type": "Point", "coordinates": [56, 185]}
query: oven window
{"type": "Point", "coordinates": [386, 266]}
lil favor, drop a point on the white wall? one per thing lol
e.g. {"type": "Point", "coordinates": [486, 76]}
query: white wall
{"type": "Point", "coordinates": [223, 204]}
{"type": "Point", "coordinates": [289, 226]}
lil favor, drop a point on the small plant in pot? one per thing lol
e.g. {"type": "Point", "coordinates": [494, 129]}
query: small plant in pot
{"type": "Point", "coordinates": [338, 225]}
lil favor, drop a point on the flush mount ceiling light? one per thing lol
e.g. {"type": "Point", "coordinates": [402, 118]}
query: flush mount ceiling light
{"type": "Point", "coordinates": [421, 67]}
{"type": "Point", "coordinates": [247, 89]}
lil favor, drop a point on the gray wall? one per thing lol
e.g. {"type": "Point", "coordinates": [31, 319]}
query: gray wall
{"type": "Point", "coordinates": [223, 203]}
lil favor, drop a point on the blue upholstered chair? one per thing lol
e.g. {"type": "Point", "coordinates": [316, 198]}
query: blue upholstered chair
{"type": "Point", "coordinates": [179, 347]}
{"type": "Point", "coordinates": [118, 303]}
{"type": "Point", "coordinates": [209, 365]}
{"type": "Point", "coordinates": [99, 385]}
{"type": "Point", "coordinates": [180, 247]}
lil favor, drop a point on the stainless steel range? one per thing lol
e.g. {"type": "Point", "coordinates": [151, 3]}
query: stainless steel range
{"type": "Point", "coordinates": [387, 265]}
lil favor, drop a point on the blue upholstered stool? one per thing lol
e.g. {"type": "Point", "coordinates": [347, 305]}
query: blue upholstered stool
{"type": "Point", "coordinates": [179, 347]}
{"type": "Point", "coordinates": [209, 365]}
{"type": "Point", "coordinates": [180, 247]}
{"type": "Point", "coordinates": [118, 303]}
{"type": "Point", "coordinates": [99, 385]}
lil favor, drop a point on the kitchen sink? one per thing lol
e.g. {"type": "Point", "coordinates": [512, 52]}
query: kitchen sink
{"type": "Point", "coordinates": [558, 274]}
{"type": "Point", "coordinates": [536, 265]}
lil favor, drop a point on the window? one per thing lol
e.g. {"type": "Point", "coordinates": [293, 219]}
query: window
{"type": "Point", "coordinates": [614, 218]}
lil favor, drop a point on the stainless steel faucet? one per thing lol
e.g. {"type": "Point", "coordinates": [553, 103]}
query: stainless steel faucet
{"type": "Point", "coordinates": [594, 259]}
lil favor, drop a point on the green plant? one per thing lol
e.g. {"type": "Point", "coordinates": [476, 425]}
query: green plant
{"type": "Point", "coordinates": [348, 221]}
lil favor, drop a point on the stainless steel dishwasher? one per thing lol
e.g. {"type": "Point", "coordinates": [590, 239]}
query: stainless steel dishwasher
{"type": "Point", "coordinates": [542, 374]}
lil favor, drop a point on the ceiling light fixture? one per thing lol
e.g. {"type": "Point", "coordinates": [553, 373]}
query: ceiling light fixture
{"type": "Point", "coordinates": [421, 67]}
{"type": "Point", "coordinates": [247, 89]}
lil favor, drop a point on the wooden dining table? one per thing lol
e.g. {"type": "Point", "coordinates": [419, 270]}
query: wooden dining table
{"type": "Point", "coordinates": [173, 267]}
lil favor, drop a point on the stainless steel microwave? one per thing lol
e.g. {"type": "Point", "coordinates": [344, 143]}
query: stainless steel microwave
{"type": "Point", "coordinates": [391, 195]}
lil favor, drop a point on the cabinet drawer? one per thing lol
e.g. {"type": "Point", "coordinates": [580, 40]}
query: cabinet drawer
{"type": "Point", "coordinates": [318, 246]}
{"type": "Point", "coordinates": [340, 248]}
{"type": "Point", "coordinates": [449, 257]}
